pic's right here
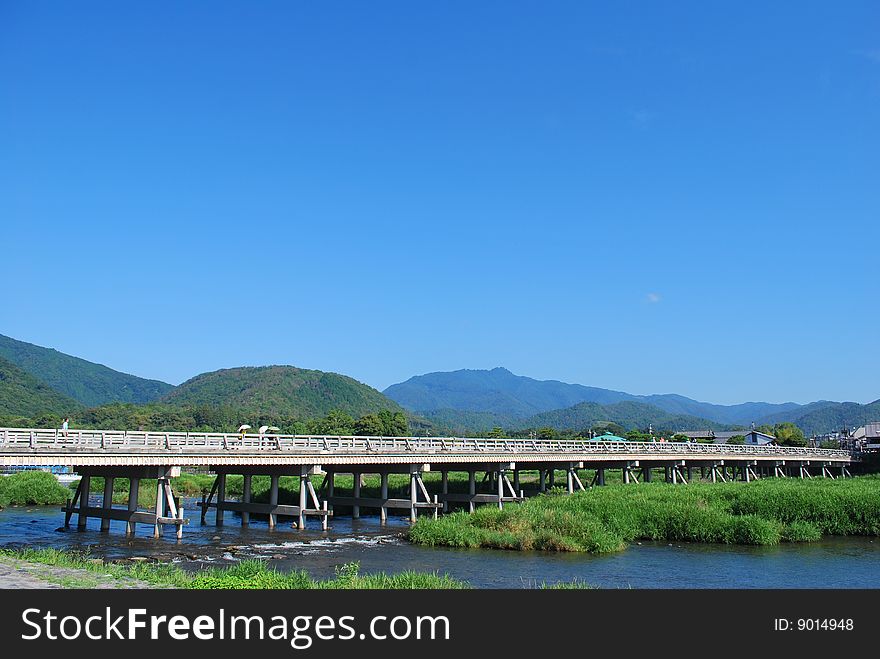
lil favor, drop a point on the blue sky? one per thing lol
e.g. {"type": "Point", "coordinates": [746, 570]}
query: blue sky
{"type": "Point", "coordinates": [648, 198]}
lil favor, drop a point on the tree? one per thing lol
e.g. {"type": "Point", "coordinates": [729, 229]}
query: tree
{"type": "Point", "coordinates": [788, 434]}
{"type": "Point", "coordinates": [546, 433]}
{"type": "Point", "coordinates": [394, 424]}
{"type": "Point", "coordinates": [369, 425]}
{"type": "Point", "coordinates": [495, 433]}
{"type": "Point", "coordinates": [337, 422]}
{"type": "Point", "coordinates": [737, 439]}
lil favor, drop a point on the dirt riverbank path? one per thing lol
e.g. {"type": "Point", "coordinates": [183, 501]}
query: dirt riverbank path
{"type": "Point", "coordinates": [16, 574]}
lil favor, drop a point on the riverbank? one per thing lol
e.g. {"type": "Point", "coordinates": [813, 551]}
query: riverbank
{"type": "Point", "coordinates": [608, 519]}
{"type": "Point", "coordinates": [20, 567]}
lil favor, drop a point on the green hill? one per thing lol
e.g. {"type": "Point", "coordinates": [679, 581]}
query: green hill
{"type": "Point", "coordinates": [21, 394]}
{"type": "Point", "coordinates": [460, 422]}
{"type": "Point", "coordinates": [281, 390]}
{"type": "Point", "coordinates": [89, 383]}
{"type": "Point", "coordinates": [828, 417]}
{"type": "Point", "coordinates": [629, 414]}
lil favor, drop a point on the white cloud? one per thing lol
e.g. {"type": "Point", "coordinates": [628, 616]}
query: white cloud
{"type": "Point", "coordinates": [653, 298]}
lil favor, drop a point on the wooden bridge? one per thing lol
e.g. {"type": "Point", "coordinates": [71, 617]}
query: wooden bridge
{"type": "Point", "coordinates": [162, 455]}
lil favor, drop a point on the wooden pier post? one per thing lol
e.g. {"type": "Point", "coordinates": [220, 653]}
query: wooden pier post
{"type": "Point", "coordinates": [472, 488]}
{"type": "Point", "coordinates": [542, 480]}
{"type": "Point", "coordinates": [444, 488]}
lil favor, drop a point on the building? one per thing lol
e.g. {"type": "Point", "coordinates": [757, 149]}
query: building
{"type": "Point", "coordinates": [753, 437]}
{"type": "Point", "coordinates": [868, 436]}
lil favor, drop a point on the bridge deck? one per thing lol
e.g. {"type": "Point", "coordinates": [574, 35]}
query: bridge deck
{"type": "Point", "coordinates": [24, 446]}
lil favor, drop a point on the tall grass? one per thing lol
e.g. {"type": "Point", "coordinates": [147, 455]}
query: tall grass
{"type": "Point", "coordinates": [606, 519]}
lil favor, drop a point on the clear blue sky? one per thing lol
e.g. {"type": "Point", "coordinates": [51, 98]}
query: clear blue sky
{"type": "Point", "coordinates": [650, 198]}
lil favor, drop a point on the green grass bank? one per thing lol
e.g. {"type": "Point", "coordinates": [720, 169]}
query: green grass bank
{"type": "Point", "coordinates": [251, 574]}
{"type": "Point", "coordinates": [606, 519]}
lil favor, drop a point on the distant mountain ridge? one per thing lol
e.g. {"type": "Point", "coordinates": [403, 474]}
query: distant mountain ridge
{"type": "Point", "coordinates": [632, 415]}
{"type": "Point", "coordinates": [281, 390]}
{"type": "Point", "coordinates": [515, 397]}
{"type": "Point", "coordinates": [822, 417]}
{"type": "Point", "coordinates": [86, 382]}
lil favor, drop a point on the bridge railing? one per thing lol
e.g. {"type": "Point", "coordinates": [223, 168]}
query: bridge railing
{"type": "Point", "coordinates": [138, 441]}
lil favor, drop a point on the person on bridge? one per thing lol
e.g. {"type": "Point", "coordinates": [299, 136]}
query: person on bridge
{"type": "Point", "coordinates": [64, 426]}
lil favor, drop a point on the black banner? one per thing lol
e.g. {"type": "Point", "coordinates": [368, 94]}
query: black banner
{"type": "Point", "coordinates": [290, 623]}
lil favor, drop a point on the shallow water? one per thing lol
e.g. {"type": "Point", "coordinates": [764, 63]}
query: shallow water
{"type": "Point", "coordinates": [830, 563]}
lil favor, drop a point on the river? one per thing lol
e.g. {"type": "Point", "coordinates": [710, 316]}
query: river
{"type": "Point", "coordinates": [831, 563]}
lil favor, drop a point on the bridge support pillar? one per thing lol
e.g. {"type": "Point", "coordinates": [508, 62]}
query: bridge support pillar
{"type": "Point", "coordinates": [221, 498]}
{"type": "Point", "coordinates": [134, 487]}
{"type": "Point", "coordinates": [331, 489]}
{"type": "Point", "coordinates": [246, 498]}
{"type": "Point", "coordinates": [383, 493]}
{"type": "Point", "coordinates": [412, 496]}
{"type": "Point", "coordinates": [85, 487]}
{"type": "Point", "coordinates": [107, 501]}
{"type": "Point", "coordinates": [629, 472]}
{"type": "Point", "coordinates": [356, 491]}
{"type": "Point", "coordinates": [273, 499]}
{"type": "Point", "coordinates": [573, 480]}
{"type": "Point", "coordinates": [444, 488]}
{"type": "Point", "coordinates": [542, 480]}
{"type": "Point", "coordinates": [646, 474]}
{"type": "Point", "coordinates": [472, 488]}
{"type": "Point", "coordinates": [600, 476]}
{"type": "Point", "coordinates": [303, 493]}
{"type": "Point", "coordinates": [160, 507]}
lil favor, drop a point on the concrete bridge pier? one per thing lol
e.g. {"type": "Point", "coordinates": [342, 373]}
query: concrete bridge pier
{"type": "Point", "coordinates": [106, 512]}
{"type": "Point", "coordinates": [383, 509]}
{"type": "Point", "coordinates": [629, 472]}
{"type": "Point", "coordinates": [246, 488]}
{"type": "Point", "coordinates": [134, 490]}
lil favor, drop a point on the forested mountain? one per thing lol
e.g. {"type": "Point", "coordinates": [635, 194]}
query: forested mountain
{"type": "Point", "coordinates": [280, 390]}
{"type": "Point", "coordinates": [510, 396]}
{"type": "Point", "coordinates": [825, 417]}
{"type": "Point", "coordinates": [460, 422]}
{"type": "Point", "coordinates": [89, 383]}
{"type": "Point", "coordinates": [497, 391]}
{"type": "Point", "coordinates": [629, 414]}
{"type": "Point", "coordinates": [21, 394]}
